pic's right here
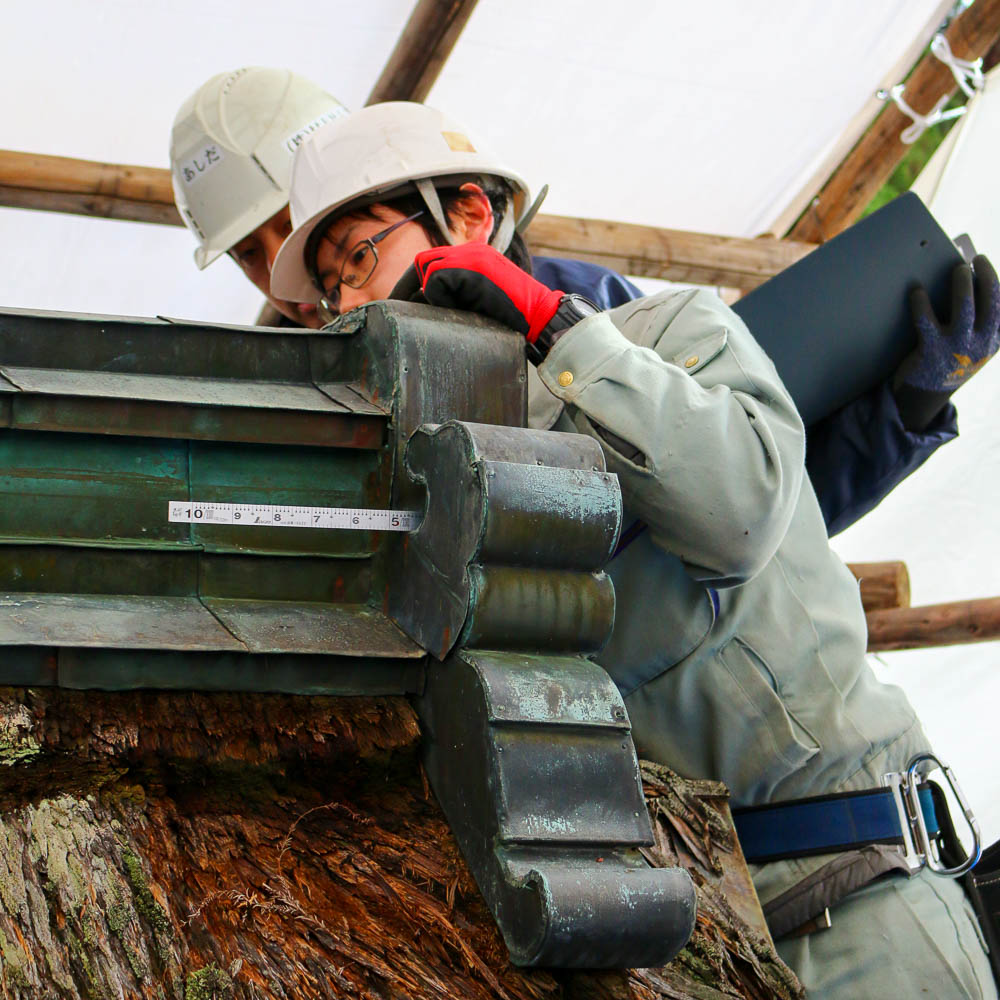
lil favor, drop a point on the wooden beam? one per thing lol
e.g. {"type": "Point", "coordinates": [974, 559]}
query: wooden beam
{"type": "Point", "coordinates": [934, 625]}
{"type": "Point", "coordinates": [883, 584]}
{"type": "Point", "coordinates": [860, 123]}
{"type": "Point", "coordinates": [673, 254]}
{"type": "Point", "coordinates": [422, 50]}
{"type": "Point", "coordinates": [100, 206]}
{"type": "Point", "coordinates": [85, 187]}
{"type": "Point", "coordinates": [873, 159]}
{"type": "Point", "coordinates": [144, 194]}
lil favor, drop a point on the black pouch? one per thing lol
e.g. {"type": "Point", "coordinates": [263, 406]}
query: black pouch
{"type": "Point", "coordinates": [982, 884]}
{"type": "Point", "coordinates": [983, 887]}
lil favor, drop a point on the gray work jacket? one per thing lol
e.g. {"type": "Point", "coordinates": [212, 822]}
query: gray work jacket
{"type": "Point", "coordinates": [739, 638]}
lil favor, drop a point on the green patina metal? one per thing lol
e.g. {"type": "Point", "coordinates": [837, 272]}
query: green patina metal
{"type": "Point", "coordinates": [106, 419]}
{"type": "Point", "coordinates": [329, 477]}
{"type": "Point", "coordinates": [528, 743]}
{"type": "Point", "coordinates": [89, 488]}
{"type": "Point", "coordinates": [488, 610]}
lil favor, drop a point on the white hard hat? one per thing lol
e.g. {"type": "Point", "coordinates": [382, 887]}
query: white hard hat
{"type": "Point", "coordinates": [380, 152]}
{"type": "Point", "coordinates": [231, 151]}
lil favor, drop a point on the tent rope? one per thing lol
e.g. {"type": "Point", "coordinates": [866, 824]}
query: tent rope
{"type": "Point", "coordinates": [968, 75]}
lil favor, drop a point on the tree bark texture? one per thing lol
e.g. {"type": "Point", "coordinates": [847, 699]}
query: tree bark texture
{"type": "Point", "coordinates": [202, 847]}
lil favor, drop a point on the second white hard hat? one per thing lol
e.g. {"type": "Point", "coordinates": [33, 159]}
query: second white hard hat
{"type": "Point", "coordinates": [231, 151]}
{"type": "Point", "coordinates": [380, 151]}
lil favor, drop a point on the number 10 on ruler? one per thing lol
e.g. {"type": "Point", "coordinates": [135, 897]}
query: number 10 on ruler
{"type": "Point", "coordinates": [275, 516]}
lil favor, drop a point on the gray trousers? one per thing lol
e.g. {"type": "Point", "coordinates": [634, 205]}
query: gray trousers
{"type": "Point", "coordinates": [896, 938]}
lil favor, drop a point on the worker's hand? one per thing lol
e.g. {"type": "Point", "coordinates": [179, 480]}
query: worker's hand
{"type": "Point", "coordinates": [948, 354]}
{"type": "Point", "coordinates": [479, 279]}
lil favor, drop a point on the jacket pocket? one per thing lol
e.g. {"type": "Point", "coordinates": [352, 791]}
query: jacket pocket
{"type": "Point", "coordinates": [769, 742]}
{"type": "Point", "coordinates": [695, 356]}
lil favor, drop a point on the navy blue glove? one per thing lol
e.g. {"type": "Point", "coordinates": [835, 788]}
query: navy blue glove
{"type": "Point", "coordinates": [949, 354]}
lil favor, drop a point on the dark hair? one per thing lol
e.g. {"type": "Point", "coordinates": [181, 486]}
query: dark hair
{"type": "Point", "coordinates": [498, 190]}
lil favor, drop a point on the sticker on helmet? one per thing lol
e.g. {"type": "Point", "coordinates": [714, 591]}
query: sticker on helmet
{"type": "Point", "coordinates": [458, 143]}
{"type": "Point", "coordinates": [195, 167]}
{"type": "Point", "coordinates": [293, 142]}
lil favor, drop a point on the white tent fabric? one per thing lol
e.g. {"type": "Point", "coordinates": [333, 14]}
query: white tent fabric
{"type": "Point", "coordinates": [955, 181]}
{"type": "Point", "coordinates": [706, 116]}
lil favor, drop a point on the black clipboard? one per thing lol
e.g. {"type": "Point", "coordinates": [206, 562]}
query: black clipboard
{"type": "Point", "coordinates": [837, 323]}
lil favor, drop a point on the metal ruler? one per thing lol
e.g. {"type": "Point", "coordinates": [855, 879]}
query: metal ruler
{"type": "Point", "coordinates": [275, 516]}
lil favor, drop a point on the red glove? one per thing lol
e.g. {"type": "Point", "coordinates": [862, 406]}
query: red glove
{"type": "Point", "coordinates": [479, 279]}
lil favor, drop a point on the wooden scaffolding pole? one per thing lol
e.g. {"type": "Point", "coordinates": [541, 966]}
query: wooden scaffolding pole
{"type": "Point", "coordinates": [883, 584]}
{"type": "Point", "coordinates": [422, 50]}
{"type": "Point", "coordinates": [144, 194]}
{"type": "Point", "coordinates": [934, 625]}
{"type": "Point", "coordinates": [869, 165]}
{"type": "Point", "coordinates": [86, 187]}
{"type": "Point", "coordinates": [673, 254]}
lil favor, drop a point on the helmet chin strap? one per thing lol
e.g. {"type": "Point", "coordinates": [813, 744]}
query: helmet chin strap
{"type": "Point", "coordinates": [532, 210]}
{"type": "Point", "coordinates": [429, 193]}
{"type": "Point", "coordinates": [504, 231]}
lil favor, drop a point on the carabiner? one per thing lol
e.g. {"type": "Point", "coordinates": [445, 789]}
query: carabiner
{"type": "Point", "coordinates": [916, 817]}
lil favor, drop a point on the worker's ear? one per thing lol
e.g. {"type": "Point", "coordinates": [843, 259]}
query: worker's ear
{"type": "Point", "coordinates": [471, 217]}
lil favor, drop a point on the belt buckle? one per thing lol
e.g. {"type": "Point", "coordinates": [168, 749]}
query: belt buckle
{"type": "Point", "coordinates": [918, 850]}
{"type": "Point", "coordinates": [914, 858]}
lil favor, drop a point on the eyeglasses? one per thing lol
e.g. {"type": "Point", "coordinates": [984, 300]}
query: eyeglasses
{"type": "Point", "coordinates": [358, 267]}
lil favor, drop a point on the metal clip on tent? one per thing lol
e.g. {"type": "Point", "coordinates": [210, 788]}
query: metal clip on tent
{"type": "Point", "coordinates": [968, 75]}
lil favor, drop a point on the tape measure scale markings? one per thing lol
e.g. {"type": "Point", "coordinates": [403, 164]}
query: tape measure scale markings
{"type": "Point", "coordinates": [276, 516]}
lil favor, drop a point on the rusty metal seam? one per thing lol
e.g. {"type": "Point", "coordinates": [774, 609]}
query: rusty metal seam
{"type": "Point", "coordinates": [218, 549]}
{"type": "Point", "coordinates": [131, 544]}
{"type": "Point", "coordinates": [355, 389]}
{"type": "Point", "coordinates": [200, 575]}
{"type": "Point", "coordinates": [333, 399]}
{"type": "Point", "coordinates": [5, 375]}
{"type": "Point", "coordinates": [190, 480]}
{"type": "Point", "coordinates": [245, 647]}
